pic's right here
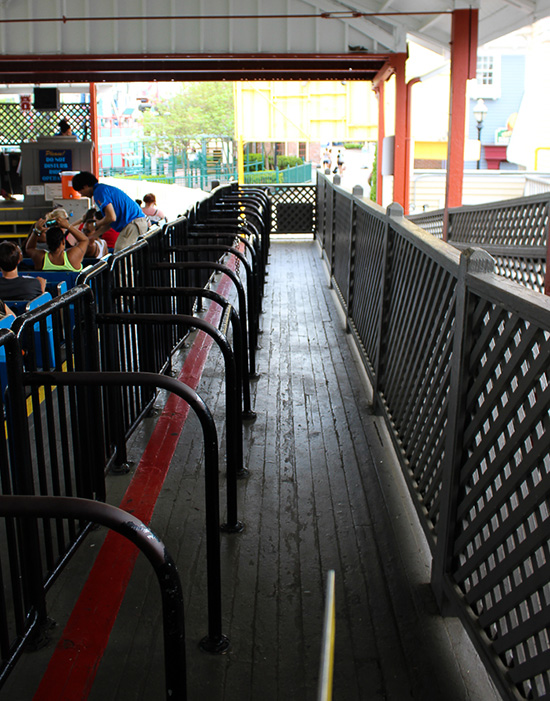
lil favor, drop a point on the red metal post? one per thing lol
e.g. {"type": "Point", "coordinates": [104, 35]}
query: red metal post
{"type": "Point", "coordinates": [94, 129]}
{"type": "Point", "coordinates": [381, 134]}
{"type": "Point", "coordinates": [463, 68]}
{"type": "Point", "coordinates": [408, 146]}
{"type": "Point", "coordinates": [400, 164]}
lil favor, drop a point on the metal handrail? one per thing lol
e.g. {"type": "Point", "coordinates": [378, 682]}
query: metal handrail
{"type": "Point", "coordinates": [234, 437]}
{"type": "Point", "coordinates": [138, 533]}
{"type": "Point", "coordinates": [215, 641]}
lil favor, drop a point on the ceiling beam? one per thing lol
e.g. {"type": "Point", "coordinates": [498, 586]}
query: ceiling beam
{"type": "Point", "coordinates": [191, 67]}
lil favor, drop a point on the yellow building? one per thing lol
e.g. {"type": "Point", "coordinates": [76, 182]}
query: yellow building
{"type": "Point", "coordinates": [300, 116]}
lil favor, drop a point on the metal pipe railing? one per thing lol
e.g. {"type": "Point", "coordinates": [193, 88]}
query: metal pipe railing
{"type": "Point", "coordinates": [34, 507]}
{"type": "Point", "coordinates": [215, 641]}
{"type": "Point", "coordinates": [234, 433]}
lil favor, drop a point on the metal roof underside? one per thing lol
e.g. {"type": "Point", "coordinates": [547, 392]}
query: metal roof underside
{"type": "Point", "coordinates": [122, 40]}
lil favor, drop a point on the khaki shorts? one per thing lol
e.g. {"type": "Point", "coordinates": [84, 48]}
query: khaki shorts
{"type": "Point", "coordinates": [131, 233]}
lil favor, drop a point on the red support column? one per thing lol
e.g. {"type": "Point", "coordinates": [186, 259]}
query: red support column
{"type": "Point", "coordinates": [409, 158]}
{"type": "Point", "coordinates": [463, 68]}
{"type": "Point", "coordinates": [94, 129]}
{"type": "Point", "coordinates": [381, 134]}
{"type": "Point", "coordinates": [400, 164]}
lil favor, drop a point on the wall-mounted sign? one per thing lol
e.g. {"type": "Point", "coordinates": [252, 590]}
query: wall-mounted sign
{"type": "Point", "coordinates": [52, 162]}
{"type": "Point", "coordinates": [34, 190]}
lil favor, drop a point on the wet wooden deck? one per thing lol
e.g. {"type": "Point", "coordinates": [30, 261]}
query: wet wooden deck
{"type": "Point", "coordinates": [323, 493]}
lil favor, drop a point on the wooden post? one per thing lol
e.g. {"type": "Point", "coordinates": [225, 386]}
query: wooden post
{"type": "Point", "coordinates": [471, 260]}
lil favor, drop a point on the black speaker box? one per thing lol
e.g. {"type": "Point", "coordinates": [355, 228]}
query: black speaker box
{"type": "Point", "coordinates": [46, 99]}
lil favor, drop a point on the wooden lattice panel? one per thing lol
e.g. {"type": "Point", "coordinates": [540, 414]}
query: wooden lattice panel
{"type": "Point", "coordinates": [432, 222]}
{"type": "Point", "coordinates": [293, 209]}
{"type": "Point", "coordinates": [19, 126]}
{"type": "Point", "coordinates": [502, 554]}
{"type": "Point", "coordinates": [342, 243]}
{"type": "Point", "coordinates": [521, 224]}
{"type": "Point", "coordinates": [529, 272]}
{"type": "Point", "coordinates": [415, 374]}
{"type": "Point", "coordinates": [368, 273]}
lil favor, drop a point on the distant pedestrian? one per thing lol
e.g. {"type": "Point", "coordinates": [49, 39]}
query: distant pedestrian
{"type": "Point", "coordinates": [340, 162]}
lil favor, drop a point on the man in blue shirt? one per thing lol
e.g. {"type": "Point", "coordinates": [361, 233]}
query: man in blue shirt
{"type": "Point", "coordinates": [120, 212]}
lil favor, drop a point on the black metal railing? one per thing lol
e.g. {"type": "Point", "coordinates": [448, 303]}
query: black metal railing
{"type": "Point", "coordinates": [21, 513]}
{"type": "Point", "coordinates": [95, 356]}
{"type": "Point", "coordinates": [458, 358]}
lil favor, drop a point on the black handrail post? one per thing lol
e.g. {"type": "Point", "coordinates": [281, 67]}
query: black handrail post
{"type": "Point", "coordinates": [22, 480]}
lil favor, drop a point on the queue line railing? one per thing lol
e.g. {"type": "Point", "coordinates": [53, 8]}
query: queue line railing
{"type": "Point", "coordinates": [20, 515]}
{"type": "Point", "coordinates": [92, 357]}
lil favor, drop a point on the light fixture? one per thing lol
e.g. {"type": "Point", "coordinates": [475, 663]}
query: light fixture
{"type": "Point", "coordinates": [480, 110]}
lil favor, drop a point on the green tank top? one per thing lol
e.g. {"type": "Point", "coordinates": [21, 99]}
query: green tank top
{"type": "Point", "coordinates": [48, 265]}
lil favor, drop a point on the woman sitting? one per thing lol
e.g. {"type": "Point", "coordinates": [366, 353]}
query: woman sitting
{"type": "Point", "coordinates": [56, 257]}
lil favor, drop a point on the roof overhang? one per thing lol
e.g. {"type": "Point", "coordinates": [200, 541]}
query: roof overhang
{"type": "Point", "coordinates": [191, 67]}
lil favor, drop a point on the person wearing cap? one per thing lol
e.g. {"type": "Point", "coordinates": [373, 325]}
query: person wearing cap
{"type": "Point", "coordinates": [119, 211]}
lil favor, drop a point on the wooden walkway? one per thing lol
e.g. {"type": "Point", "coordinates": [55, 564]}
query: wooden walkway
{"type": "Point", "coordinates": [323, 493]}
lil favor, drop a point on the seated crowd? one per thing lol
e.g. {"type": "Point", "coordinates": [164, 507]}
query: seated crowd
{"type": "Point", "coordinates": [56, 244]}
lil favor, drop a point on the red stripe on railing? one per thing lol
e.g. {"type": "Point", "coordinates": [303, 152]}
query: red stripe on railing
{"type": "Point", "coordinates": [74, 663]}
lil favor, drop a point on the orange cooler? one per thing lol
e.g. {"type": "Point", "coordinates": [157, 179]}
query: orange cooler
{"type": "Point", "coordinates": [67, 185]}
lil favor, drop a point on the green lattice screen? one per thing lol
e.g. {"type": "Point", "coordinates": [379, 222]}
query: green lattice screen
{"type": "Point", "coordinates": [17, 125]}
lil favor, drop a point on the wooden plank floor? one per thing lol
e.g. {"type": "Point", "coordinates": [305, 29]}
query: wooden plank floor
{"type": "Point", "coordinates": [323, 493]}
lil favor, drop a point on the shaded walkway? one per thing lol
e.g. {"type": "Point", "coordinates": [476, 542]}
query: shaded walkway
{"type": "Point", "coordinates": [322, 494]}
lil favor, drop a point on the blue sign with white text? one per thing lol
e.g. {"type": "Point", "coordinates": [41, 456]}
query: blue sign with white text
{"type": "Point", "coordinates": [53, 162]}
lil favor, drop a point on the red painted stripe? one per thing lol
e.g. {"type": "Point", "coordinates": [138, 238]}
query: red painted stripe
{"type": "Point", "coordinates": [74, 663]}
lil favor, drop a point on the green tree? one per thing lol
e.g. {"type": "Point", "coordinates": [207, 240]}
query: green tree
{"type": "Point", "coordinates": [374, 175]}
{"type": "Point", "coordinates": [199, 108]}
